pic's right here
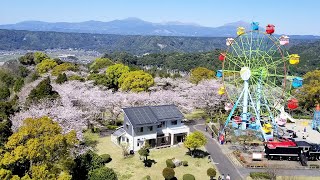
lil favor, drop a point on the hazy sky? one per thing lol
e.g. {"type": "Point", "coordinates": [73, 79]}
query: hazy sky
{"type": "Point", "coordinates": [289, 16]}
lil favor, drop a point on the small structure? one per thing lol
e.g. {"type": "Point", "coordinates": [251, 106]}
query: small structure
{"type": "Point", "coordinates": [284, 40]}
{"type": "Point", "coordinates": [294, 59]}
{"type": "Point", "coordinates": [222, 56]}
{"type": "Point", "coordinates": [229, 41]}
{"type": "Point", "coordinates": [293, 104]}
{"type": "Point", "coordinates": [157, 125]}
{"type": "Point", "coordinates": [221, 90]}
{"type": "Point", "coordinates": [297, 82]}
{"type": "Point", "coordinates": [270, 29]}
{"type": "Point", "coordinates": [316, 119]}
{"type": "Point", "coordinates": [255, 26]}
{"type": "Point", "coordinates": [240, 31]}
{"type": "Point", "coordinates": [219, 73]}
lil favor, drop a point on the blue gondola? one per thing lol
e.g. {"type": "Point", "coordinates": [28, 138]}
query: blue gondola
{"type": "Point", "coordinates": [255, 26]}
{"type": "Point", "coordinates": [219, 73]}
{"type": "Point", "coordinates": [297, 82]}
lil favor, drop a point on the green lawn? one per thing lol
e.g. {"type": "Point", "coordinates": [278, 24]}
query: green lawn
{"type": "Point", "coordinates": [196, 114]}
{"type": "Point", "coordinates": [133, 168]}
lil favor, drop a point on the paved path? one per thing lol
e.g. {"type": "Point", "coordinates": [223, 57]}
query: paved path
{"type": "Point", "coordinates": [237, 172]}
{"type": "Point", "coordinates": [223, 163]}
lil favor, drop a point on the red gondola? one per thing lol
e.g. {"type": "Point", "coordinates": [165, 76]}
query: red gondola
{"type": "Point", "coordinates": [222, 56]}
{"type": "Point", "coordinates": [293, 104]}
{"type": "Point", "coordinates": [270, 29]}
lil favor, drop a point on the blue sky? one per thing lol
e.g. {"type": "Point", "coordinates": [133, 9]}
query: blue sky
{"type": "Point", "coordinates": [289, 16]}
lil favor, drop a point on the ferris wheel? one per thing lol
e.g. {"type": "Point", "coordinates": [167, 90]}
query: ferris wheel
{"type": "Point", "coordinates": [255, 78]}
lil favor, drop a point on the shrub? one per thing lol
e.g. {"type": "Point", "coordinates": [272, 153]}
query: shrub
{"type": "Point", "coordinates": [18, 84]}
{"type": "Point", "coordinates": [39, 57]}
{"type": "Point", "coordinates": [99, 79]}
{"type": "Point", "coordinates": [46, 65]}
{"type": "Point", "coordinates": [63, 67]}
{"type": "Point", "coordinates": [43, 90]}
{"type": "Point", "coordinates": [188, 177]}
{"type": "Point", "coordinates": [211, 172]}
{"type": "Point", "coordinates": [61, 78]}
{"type": "Point", "coordinates": [105, 158]}
{"type": "Point", "coordinates": [76, 78]}
{"type": "Point", "coordinates": [23, 71]}
{"type": "Point", "coordinates": [4, 93]}
{"type": "Point", "coordinates": [100, 63]}
{"type": "Point", "coordinates": [34, 76]}
{"type": "Point", "coordinates": [168, 173]}
{"type": "Point", "coordinates": [111, 127]}
{"type": "Point", "coordinates": [259, 175]}
{"type": "Point", "coordinates": [170, 163]}
{"type": "Point", "coordinates": [185, 163]}
{"type": "Point", "coordinates": [102, 173]}
{"type": "Point", "coordinates": [27, 59]}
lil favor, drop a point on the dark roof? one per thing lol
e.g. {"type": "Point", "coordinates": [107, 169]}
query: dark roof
{"type": "Point", "coordinates": [119, 132]}
{"type": "Point", "coordinates": [166, 112]}
{"type": "Point", "coordinates": [144, 115]}
{"type": "Point", "coordinates": [302, 143]}
{"type": "Point", "coordinates": [140, 115]}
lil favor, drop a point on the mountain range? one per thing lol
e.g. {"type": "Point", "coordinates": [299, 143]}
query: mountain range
{"type": "Point", "coordinates": [135, 26]}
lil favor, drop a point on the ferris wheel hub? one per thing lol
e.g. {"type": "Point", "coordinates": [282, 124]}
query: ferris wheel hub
{"type": "Point", "coordinates": [245, 73]}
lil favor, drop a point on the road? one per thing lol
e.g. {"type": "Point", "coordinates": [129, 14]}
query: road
{"type": "Point", "coordinates": [225, 166]}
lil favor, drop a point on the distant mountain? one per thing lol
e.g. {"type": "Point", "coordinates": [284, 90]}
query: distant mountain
{"type": "Point", "coordinates": [132, 26]}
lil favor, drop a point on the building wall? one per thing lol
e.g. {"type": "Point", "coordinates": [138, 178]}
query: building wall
{"type": "Point", "coordinates": [146, 130]}
{"type": "Point", "coordinates": [127, 125]}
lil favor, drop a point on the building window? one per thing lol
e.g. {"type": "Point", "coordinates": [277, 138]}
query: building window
{"type": "Point", "coordinates": [127, 140]}
{"type": "Point", "coordinates": [123, 138]}
{"type": "Point", "coordinates": [127, 126]}
{"type": "Point", "coordinates": [138, 144]}
{"type": "Point", "coordinates": [175, 122]}
{"type": "Point", "coordinates": [141, 129]}
{"type": "Point", "coordinates": [163, 123]}
{"type": "Point", "coordinates": [150, 128]}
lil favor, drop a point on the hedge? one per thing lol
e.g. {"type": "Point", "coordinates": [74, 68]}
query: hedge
{"type": "Point", "coordinates": [259, 175]}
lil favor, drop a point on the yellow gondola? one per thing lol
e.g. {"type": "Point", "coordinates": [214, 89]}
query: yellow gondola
{"type": "Point", "coordinates": [294, 58]}
{"type": "Point", "coordinates": [221, 91]}
{"type": "Point", "coordinates": [267, 128]}
{"type": "Point", "coordinates": [241, 30]}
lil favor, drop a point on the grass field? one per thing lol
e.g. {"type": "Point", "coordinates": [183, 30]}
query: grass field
{"type": "Point", "coordinates": [133, 168]}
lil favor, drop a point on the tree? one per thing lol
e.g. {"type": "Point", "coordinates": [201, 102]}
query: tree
{"type": "Point", "coordinates": [136, 81]}
{"type": "Point", "coordinates": [45, 66]}
{"type": "Point", "coordinates": [42, 90]}
{"type": "Point", "coordinates": [309, 93]}
{"type": "Point", "coordinates": [23, 71]}
{"type": "Point", "coordinates": [40, 144]}
{"type": "Point", "coordinates": [39, 57]}
{"type": "Point", "coordinates": [168, 173]}
{"type": "Point", "coordinates": [144, 151]}
{"type": "Point", "coordinates": [27, 59]}
{"type": "Point", "coordinates": [85, 163]}
{"type": "Point", "coordinates": [200, 73]}
{"type": "Point", "coordinates": [4, 93]}
{"type": "Point", "coordinates": [102, 173]}
{"type": "Point", "coordinates": [211, 172]}
{"type": "Point", "coordinates": [100, 63]}
{"type": "Point", "coordinates": [63, 67]}
{"type": "Point", "coordinates": [18, 84]}
{"type": "Point", "coordinates": [114, 72]}
{"type": "Point", "coordinates": [188, 177]}
{"type": "Point", "coordinates": [195, 140]}
{"type": "Point", "coordinates": [61, 78]}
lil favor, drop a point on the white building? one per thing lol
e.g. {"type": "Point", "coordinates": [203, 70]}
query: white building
{"type": "Point", "coordinates": [156, 125]}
